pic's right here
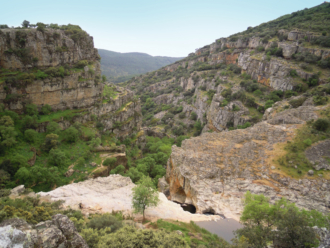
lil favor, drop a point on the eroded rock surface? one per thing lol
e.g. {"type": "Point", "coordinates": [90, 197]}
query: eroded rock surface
{"type": "Point", "coordinates": [214, 171]}
{"type": "Point", "coordinates": [114, 193]}
{"type": "Point", "coordinates": [58, 232]}
{"type": "Point", "coordinates": [319, 155]}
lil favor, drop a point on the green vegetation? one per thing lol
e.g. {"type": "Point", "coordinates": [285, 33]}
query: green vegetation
{"type": "Point", "coordinates": [311, 20]}
{"type": "Point", "coordinates": [309, 134]}
{"type": "Point", "coordinates": [293, 226]}
{"type": "Point", "coordinates": [145, 194]}
{"type": "Point", "coordinates": [120, 67]}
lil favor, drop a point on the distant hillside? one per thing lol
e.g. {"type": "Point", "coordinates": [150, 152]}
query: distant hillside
{"type": "Point", "coordinates": [122, 66]}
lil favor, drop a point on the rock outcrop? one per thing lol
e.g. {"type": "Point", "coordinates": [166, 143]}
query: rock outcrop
{"type": "Point", "coordinates": [214, 171]}
{"type": "Point", "coordinates": [52, 47]}
{"type": "Point", "coordinates": [78, 87]}
{"type": "Point", "coordinates": [58, 232]}
{"type": "Point", "coordinates": [114, 193]}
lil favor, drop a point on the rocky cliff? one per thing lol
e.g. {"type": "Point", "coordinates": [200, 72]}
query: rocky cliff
{"type": "Point", "coordinates": [61, 68]}
{"type": "Point", "coordinates": [214, 171]}
{"type": "Point", "coordinates": [58, 232]}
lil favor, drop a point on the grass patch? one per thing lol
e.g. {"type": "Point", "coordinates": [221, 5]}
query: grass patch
{"type": "Point", "coordinates": [200, 236]}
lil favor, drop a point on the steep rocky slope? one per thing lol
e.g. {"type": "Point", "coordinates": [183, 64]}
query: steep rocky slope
{"type": "Point", "coordinates": [214, 171]}
{"type": "Point", "coordinates": [228, 83]}
{"type": "Point", "coordinates": [255, 97]}
{"type": "Point", "coordinates": [54, 67]}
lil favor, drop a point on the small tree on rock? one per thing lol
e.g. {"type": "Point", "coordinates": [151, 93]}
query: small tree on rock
{"type": "Point", "coordinates": [145, 195]}
{"type": "Point", "coordinates": [25, 24]}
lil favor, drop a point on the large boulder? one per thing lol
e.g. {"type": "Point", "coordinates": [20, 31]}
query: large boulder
{"type": "Point", "coordinates": [58, 232]}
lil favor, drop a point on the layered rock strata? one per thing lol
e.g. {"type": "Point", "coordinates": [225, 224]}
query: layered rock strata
{"type": "Point", "coordinates": [214, 171]}
{"type": "Point", "coordinates": [58, 232]}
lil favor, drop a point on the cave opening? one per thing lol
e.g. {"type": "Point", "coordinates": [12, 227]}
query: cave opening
{"type": "Point", "coordinates": [188, 207]}
{"type": "Point", "coordinates": [209, 212]}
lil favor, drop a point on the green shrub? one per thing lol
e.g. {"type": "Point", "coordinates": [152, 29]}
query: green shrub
{"type": "Point", "coordinates": [105, 220]}
{"type": "Point", "coordinates": [30, 135]}
{"type": "Point", "coordinates": [81, 64]}
{"type": "Point", "coordinates": [290, 93]}
{"type": "Point", "coordinates": [53, 127]}
{"type": "Point", "coordinates": [71, 134]}
{"type": "Point", "coordinates": [182, 115]}
{"type": "Point", "coordinates": [236, 108]}
{"type": "Point", "coordinates": [193, 116]}
{"type": "Point", "coordinates": [46, 109]}
{"type": "Point", "coordinates": [308, 142]}
{"type": "Point", "coordinates": [57, 158]}
{"type": "Point", "coordinates": [110, 162]}
{"type": "Point", "coordinates": [132, 237]}
{"type": "Point", "coordinates": [269, 104]}
{"type": "Point", "coordinates": [321, 124]}
{"type": "Point", "coordinates": [293, 73]}
{"type": "Point", "coordinates": [40, 75]}
{"type": "Point", "coordinates": [297, 102]}
{"type": "Point", "coordinates": [31, 109]}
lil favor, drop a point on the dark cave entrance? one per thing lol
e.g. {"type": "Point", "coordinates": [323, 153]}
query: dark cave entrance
{"type": "Point", "coordinates": [188, 207]}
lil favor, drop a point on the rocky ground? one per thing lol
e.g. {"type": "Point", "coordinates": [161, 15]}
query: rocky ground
{"type": "Point", "coordinates": [114, 193]}
{"type": "Point", "coordinates": [213, 171]}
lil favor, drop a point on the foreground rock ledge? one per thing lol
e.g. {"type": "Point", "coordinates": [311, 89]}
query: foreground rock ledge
{"type": "Point", "coordinates": [114, 193]}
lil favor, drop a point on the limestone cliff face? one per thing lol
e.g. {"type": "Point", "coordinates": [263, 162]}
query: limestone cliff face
{"type": "Point", "coordinates": [80, 88]}
{"type": "Point", "coordinates": [44, 49]}
{"type": "Point", "coordinates": [214, 171]}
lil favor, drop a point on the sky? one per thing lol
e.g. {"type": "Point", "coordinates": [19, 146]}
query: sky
{"type": "Point", "coordinates": [171, 28]}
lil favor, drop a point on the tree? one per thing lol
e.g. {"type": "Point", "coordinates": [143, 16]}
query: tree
{"type": "Point", "coordinates": [293, 230]}
{"type": "Point", "coordinates": [71, 134]}
{"type": "Point", "coordinates": [145, 195]}
{"type": "Point", "coordinates": [321, 124]}
{"type": "Point", "coordinates": [120, 170]}
{"type": "Point", "coordinates": [53, 127]}
{"type": "Point", "coordinates": [57, 157]}
{"type": "Point", "coordinates": [31, 109]}
{"type": "Point", "coordinates": [110, 162]}
{"type": "Point", "coordinates": [293, 227]}
{"type": "Point", "coordinates": [46, 109]}
{"type": "Point", "coordinates": [25, 24]}
{"type": "Point", "coordinates": [7, 131]}
{"type": "Point", "coordinates": [51, 141]}
{"type": "Point", "coordinates": [30, 135]}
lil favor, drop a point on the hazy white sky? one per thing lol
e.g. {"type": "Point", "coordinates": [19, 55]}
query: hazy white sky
{"type": "Point", "coordinates": [157, 27]}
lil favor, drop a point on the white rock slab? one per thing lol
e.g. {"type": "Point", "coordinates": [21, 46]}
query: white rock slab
{"type": "Point", "coordinates": [114, 193]}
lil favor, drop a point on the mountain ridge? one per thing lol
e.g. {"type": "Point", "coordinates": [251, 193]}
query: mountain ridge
{"type": "Point", "coordinates": [119, 67]}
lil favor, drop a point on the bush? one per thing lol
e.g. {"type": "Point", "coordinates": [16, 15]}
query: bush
{"type": "Point", "coordinates": [308, 142]}
{"type": "Point", "coordinates": [236, 108]}
{"type": "Point", "coordinates": [110, 162]}
{"type": "Point", "coordinates": [53, 127]}
{"type": "Point", "coordinates": [193, 116]}
{"type": "Point", "coordinates": [105, 220]}
{"type": "Point", "coordinates": [321, 124]}
{"type": "Point", "coordinates": [29, 122]}
{"type": "Point", "coordinates": [132, 237]}
{"type": "Point", "coordinates": [71, 134]}
{"type": "Point", "coordinates": [182, 115]}
{"type": "Point", "coordinates": [31, 109]}
{"type": "Point", "coordinates": [269, 104]}
{"type": "Point", "coordinates": [57, 158]}
{"type": "Point", "coordinates": [30, 135]}
{"type": "Point", "coordinates": [293, 73]}
{"type": "Point", "coordinates": [297, 102]}
{"type": "Point", "coordinates": [46, 109]}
